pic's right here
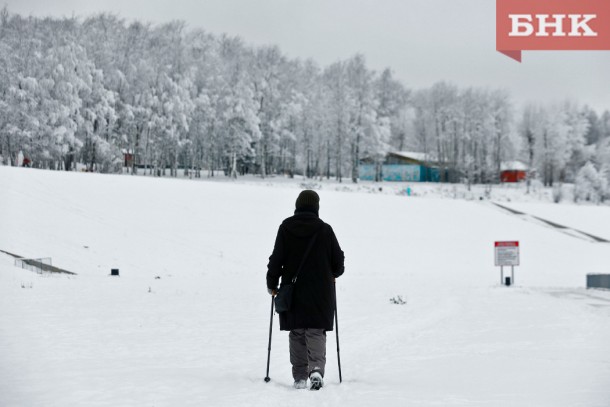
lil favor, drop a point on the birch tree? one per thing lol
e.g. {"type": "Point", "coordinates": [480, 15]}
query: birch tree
{"type": "Point", "coordinates": [528, 129]}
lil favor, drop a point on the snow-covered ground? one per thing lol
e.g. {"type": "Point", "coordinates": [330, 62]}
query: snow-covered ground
{"type": "Point", "coordinates": [187, 321]}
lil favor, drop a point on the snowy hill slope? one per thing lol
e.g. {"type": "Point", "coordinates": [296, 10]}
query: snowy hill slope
{"type": "Point", "coordinates": [186, 323]}
{"type": "Point", "coordinates": [593, 219]}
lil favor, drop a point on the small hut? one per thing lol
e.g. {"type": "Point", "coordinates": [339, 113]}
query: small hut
{"type": "Point", "coordinates": [514, 171]}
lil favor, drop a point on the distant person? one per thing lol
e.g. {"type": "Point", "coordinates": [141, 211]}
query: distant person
{"type": "Point", "coordinates": [313, 304]}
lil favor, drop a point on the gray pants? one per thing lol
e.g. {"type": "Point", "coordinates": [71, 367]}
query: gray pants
{"type": "Point", "coordinates": [307, 352]}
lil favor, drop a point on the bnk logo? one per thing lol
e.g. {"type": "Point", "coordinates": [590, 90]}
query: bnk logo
{"type": "Point", "coordinates": [551, 25]}
{"type": "Point", "coordinates": [522, 25]}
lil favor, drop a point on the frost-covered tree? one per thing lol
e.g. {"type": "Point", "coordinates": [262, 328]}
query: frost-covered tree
{"type": "Point", "coordinates": [314, 125]}
{"type": "Point", "coordinates": [97, 116]}
{"type": "Point", "coordinates": [362, 116]}
{"type": "Point", "coordinates": [578, 126]}
{"type": "Point", "coordinates": [393, 103]}
{"type": "Point", "coordinates": [340, 105]}
{"type": "Point", "coordinates": [604, 125]}
{"type": "Point", "coordinates": [268, 66]}
{"type": "Point", "coordinates": [590, 185]}
{"type": "Point", "coordinates": [95, 93]}
{"type": "Point", "coordinates": [392, 99]}
{"type": "Point", "coordinates": [239, 122]}
{"type": "Point", "coordinates": [376, 140]}
{"type": "Point", "coordinates": [594, 130]}
{"type": "Point", "coordinates": [560, 142]}
{"type": "Point", "coordinates": [501, 113]}
{"type": "Point", "coordinates": [64, 86]}
{"type": "Point", "coordinates": [466, 132]}
{"type": "Point", "coordinates": [528, 129]}
{"type": "Point", "coordinates": [602, 159]}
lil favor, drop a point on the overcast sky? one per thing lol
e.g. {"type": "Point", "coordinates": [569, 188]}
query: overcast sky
{"type": "Point", "coordinates": [422, 41]}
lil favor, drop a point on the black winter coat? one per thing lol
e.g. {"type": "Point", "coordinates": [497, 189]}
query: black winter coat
{"type": "Point", "coordinates": [313, 301]}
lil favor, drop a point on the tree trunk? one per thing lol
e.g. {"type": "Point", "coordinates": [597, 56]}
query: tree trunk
{"type": "Point", "coordinates": [69, 159]}
{"type": "Point", "coordinates": [134, 167]}
{"type": "Point", "coordinates": [234, 166]}
{"type": "Point", "coordinates": [93, 157]}
{"type": "Point", "coordinates": [264, 159]}
{"type": "Point", "coordinates": [11, 157]}
{"type": "Point", "coordinates": [530, 164]}
{"type": "Point", "coordinates": [328, 159]}
{"type": "Point", "coordinates": [355, 159]}
{"type": "Point", "coordinates": [175, 162]}
{"type": "Point", "coordinates": [339, 160]}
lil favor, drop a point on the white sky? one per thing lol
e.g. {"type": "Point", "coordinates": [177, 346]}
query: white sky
{"type": "Point", "coordinates": [422, 41]}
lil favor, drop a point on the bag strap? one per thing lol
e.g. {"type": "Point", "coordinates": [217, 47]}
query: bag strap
{"type": "Point", "coordinates": [313, 239]}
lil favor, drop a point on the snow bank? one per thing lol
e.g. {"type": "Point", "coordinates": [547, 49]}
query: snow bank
{"type": "Point", "coordinates": [186, 323]}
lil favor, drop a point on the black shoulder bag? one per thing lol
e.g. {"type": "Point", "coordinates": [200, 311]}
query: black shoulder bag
{"type": "Point", "coordinates": [283, 299]}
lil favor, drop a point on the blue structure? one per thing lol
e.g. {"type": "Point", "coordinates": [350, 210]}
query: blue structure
{"type": "Point", "coordinates": [401, 167]}
{"type": "Point", "coordinates": [400, 172]}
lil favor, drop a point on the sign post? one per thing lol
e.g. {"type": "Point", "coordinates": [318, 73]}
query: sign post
{"type": "Point", "coordinates": [507, 254]}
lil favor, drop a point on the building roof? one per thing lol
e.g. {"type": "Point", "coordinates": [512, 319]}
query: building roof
{"type": "Point", "coordinates": [413, 155]}
{"type": "Point", "coordinates": [513, 166]}
{"type": "Point", "coordinates": [406, 157]}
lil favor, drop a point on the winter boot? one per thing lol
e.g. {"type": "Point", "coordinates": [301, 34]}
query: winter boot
{"type": "Point", "coordinates": [300, 384]}
{"type": "Point", "coordinates": [316, 381]}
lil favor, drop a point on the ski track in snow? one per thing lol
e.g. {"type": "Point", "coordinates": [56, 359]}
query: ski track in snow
{"type": "Point", "coordinates": [186, 323]}
{"type": "Point", "coordinates": [561, 228]}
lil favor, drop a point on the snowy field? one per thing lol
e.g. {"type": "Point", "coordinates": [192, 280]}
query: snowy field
{"type": "Point", "coordinates": [187, 321]}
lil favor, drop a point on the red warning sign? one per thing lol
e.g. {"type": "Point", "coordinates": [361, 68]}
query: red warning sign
{"type": "Point", "coordinates": [507, 253]}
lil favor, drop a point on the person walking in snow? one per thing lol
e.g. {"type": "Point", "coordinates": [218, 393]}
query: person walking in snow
{"type": "Point", "coordinates": [313, 303]}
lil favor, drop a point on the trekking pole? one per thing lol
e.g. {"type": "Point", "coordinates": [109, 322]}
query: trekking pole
{"type": "Point", "coordinates": [267, 378]}
{"type": "Point", "coordinates": [337, 332]}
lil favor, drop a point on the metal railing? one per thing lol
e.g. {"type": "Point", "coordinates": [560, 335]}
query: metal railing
{"type": "Point", "coordinates": [36, 265]}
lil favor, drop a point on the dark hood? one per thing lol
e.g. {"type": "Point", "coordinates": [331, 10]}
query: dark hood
{"type": "Point", "coordinates": [303, 224]}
